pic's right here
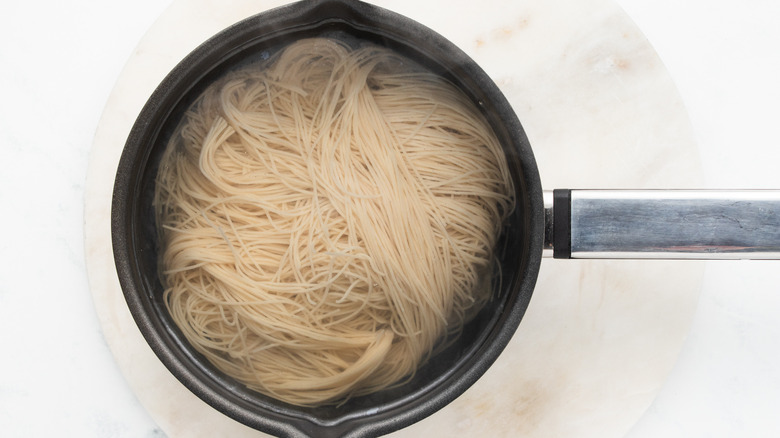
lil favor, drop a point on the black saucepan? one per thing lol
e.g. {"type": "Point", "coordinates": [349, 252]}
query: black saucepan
{"type": "Point", "coordinates": [134, 235]}
{"type": "Point", "coordinates": [446, 375]}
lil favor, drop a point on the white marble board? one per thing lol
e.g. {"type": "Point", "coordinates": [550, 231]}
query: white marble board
{"type": "Point", "coordinates": [601, 112]}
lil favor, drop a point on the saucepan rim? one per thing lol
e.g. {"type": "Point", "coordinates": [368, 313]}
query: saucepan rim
{"type": "Point", "coordinates": [131, 234]}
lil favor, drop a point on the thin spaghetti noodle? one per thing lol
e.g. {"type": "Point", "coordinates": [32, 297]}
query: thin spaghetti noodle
{"type": "Point", "coordinates": [327, 216]}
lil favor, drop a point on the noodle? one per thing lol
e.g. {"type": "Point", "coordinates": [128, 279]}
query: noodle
{"type": "Point", "coordinates": [327, 217]}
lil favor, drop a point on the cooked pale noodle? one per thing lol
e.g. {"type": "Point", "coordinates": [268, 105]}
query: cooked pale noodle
{"type": "Point", "coordinates": [327, 217]}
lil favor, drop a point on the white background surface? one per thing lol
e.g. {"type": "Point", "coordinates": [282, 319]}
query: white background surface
{"type": "Point", "coordinates": [58, 65]}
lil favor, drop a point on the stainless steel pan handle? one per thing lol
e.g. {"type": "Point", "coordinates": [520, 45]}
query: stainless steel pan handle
{"type": "Point", "coordinates": [662, 224]}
